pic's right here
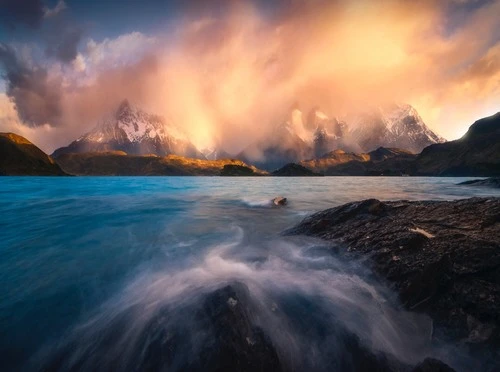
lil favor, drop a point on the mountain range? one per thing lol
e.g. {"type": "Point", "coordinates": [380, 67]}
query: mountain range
{"type": "Point", "coordinates": [136, 132]}
{"type": "Point", "coordinates": [477, 153]}
{"type": "Point", "coordinates": [102, 150]}
{"type": "Point", "coordinates": [294, 139]}
{"type": "Point", "coordinates": [297, 138]}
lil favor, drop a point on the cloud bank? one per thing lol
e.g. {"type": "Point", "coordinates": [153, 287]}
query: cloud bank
{"type": "Point", "coordinates": [230, 72]}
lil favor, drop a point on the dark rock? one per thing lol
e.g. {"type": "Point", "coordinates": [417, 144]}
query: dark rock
{"type": "Point", "coordinates": [490, 182]}
{"type": "Point", "coordinates": [279, 201]}
{"type": "Point", "coordinates": [442, 257]}
{"type": "Point", "coordinates": [238, 345]}
{"type": "Point", "coordinates": [432, 365]}
{"type": "Point", "coordinates": [295, 170]}
{"type": "Point", "coordinates": [217, 332]}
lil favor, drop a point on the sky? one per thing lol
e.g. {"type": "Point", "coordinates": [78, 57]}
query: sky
{"type": "Point", "coordinates": [226, 71]}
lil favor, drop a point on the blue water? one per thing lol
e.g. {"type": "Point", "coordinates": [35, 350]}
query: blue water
{"type": "Point", "coordinates": [78, 252]}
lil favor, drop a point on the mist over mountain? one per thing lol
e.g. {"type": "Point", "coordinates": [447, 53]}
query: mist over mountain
{"type": "Point", "coordinates": [302, 137]}
{"type": "Point", "coordinates": [135, 132]}
{"type": "Point", "coordinates": [296, 138]}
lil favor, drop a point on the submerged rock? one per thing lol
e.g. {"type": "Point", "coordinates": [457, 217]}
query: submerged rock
{"type": "Point", "coordinates": [214, 332]}
{"type": "Point", "coordinates": [432, 365]}
{"type": "Point", "coordinates": [279, 201]}
{"type": "Point", "coordinates": [224, 330]}
{"type": "Point", "coordinates": [490, 182]}
{"type": "Point", "coordinates": [442, 257]}
{"type": "Point", "coordinates": [238, 343]}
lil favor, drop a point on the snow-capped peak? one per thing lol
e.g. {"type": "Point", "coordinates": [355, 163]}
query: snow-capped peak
{"type": "Point", "coordinates": [134, 131]}
{"type": "Point", "coordinates": [404, 120]}
{"type": "Point", "coordinates": [136, 124]}
{"type": "Point", "coordinates": [320, 115]}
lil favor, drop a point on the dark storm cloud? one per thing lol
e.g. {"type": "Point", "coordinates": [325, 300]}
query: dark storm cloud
{"type": "Point", "coordinates": [36, 97]}
{"type": "Point", "coordinates": [62, 41]}
{"type": "Point", "coordinates": [60, 34]}
{"type": "Point", "coordinates": [27, 12]}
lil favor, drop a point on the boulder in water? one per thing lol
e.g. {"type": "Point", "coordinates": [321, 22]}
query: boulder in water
{"type": "Point", "coordinates": [279, 201]}
{"type": "Point", "coordinates": [432, 365]}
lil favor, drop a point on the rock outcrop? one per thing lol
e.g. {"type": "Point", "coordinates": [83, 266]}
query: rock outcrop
{"type": "Point", "coordinates": [279, 201]}
{"type": "Point", "coordinates": [488, 182]}
{"type": "Point", "coordinates": [216, 333]}
{"type": "Point", "coordinates": [443, 258]}
{"type": "Point", "coordinates": [432, 365]}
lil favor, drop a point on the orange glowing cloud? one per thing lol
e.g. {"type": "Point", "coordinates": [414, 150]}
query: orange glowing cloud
{"type": "Point", "coordinates": [230, 78]}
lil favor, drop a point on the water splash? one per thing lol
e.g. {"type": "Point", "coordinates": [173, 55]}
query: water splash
{"type": "Point", "coordinates": [303, 297]}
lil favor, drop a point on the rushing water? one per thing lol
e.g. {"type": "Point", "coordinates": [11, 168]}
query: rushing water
{"type": "Point", "coordinates": [80, 255]}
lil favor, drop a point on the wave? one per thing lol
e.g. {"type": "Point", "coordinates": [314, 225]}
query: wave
{"type": "Point", "coordinates": [306, 300]}
{"type": "Point", "coordinates": [256, 203]}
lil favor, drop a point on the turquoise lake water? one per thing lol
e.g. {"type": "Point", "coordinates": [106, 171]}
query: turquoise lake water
{"type": "Point", "coordinates": [78, 253]}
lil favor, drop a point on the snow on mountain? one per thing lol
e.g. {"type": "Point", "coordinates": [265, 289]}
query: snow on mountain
{"type": "Point", "coordinates": [299, 137]}
{"type": "Point", "coordinates": [397, 125]}
{"type": "Point", "coordinates": [216, 153]}
{"type": "Point", "coordinates": [136, 132]}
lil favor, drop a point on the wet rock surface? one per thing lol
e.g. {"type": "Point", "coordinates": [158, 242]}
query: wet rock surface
{"type": "Point", "coordinates": [222, 333]}
{"type": "Point", "coordinates": [279, 201]}
{"type": "Point", "coordinates": [217, 333]}
{"type": "Point", "coordinates": [238, 343]}
{"type": "Point", "coordinates": [443, 258]}
{"type": "Point", "coordinates": [432, 365]}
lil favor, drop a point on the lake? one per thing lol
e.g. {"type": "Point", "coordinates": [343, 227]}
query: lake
{"type": "Point", "coordinates": [88, 262]}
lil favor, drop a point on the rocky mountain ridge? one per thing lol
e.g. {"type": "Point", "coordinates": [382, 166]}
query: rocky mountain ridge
{"type": "Point", "coordinates": [300, 137]}
{"type": "Point", "coordinates": [296, 138]}
{"type": "Point", "coordinates": [135, 132]}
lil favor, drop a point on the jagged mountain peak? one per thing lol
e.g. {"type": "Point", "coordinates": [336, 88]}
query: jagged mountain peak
{"type": "Point", "coordinates": [397, 125]}
{"type": "Point", "coordinates": [123, 108]}
{"type": "Point", "coordinates": [135, 131]}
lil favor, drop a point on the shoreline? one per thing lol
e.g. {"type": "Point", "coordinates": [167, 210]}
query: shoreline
{"type": "Point", "coordinates": [441, 257]}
